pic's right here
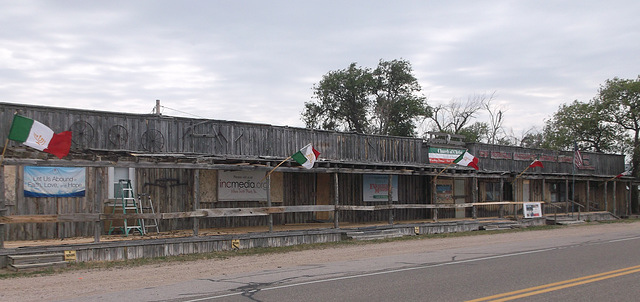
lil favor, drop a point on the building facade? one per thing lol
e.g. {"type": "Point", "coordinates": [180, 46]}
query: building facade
{"type": "Point", "coordinates": [202, 173]}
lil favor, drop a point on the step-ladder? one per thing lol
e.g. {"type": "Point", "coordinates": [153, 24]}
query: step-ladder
{"type": "Point", "coordinates": [129, 205]}
{"type": "Point", "coordinates": [146, 206]}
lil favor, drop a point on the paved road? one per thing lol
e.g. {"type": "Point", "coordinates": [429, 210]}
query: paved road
{"type": "Point", "coordinates": [595, 267]}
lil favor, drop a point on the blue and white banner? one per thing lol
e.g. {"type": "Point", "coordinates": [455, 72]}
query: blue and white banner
{"type": "Point", "coordinates": [54, 182]}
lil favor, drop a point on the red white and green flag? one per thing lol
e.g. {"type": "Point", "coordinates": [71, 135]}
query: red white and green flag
{"type": "Point", "coordinates": [38, 136]}
{"type": "Point", "coordinates": [307, 156]}
{"type": "Point", "coordinates": [466, 159]}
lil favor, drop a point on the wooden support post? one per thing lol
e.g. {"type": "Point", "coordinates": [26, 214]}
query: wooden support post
{"type": "Point", "coordinates": [336, 201]}
{"type": "Point", "coordinates": [606, 201]}
{"type": "Point", "coordinates": [390, 198]}
{"type": "Point", "coordinates": [587, 203]}
{"type": "Point", "coordinates": [515, 198]}
{"type": "Point", "coordinates": [474, 197]}
{"type": "Point", "coordinates": [628, 199]}
{"type": "Point", "coordinates": [270, 218]}
{"type": "Point", "coordinates": [434, 196]}
{"type": "Point", "coordinates": [3, 204]}
{"type": "Point", "coordinates": [99, 175]}
{"type": "Point", "coordinates": [501, 198]}
{"type": "Point", "coordinates": [615, 204]}
{"type": "Point", "coordinates": [566, 196]}
{"type": "Point", "coordinates": [196, 200]}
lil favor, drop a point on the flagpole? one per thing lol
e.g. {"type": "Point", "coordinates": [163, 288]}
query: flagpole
{"type": "Point", "coordinates": [447, 167]}
{"type": "Point", "coordinates": [573, 182]}
{"type": "Point", "coordinates": [3, 150]}
{"type": "Point", "coordinates": [267, 175]}
{"type": "Point", "coordinates": [527, 168]}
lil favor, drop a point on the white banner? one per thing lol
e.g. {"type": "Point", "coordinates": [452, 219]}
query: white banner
{"type": "Point", "coordinates": [54, 182]}
{"type": "Point", "coordinates": [376, 187]}
{"type": "Point", "coordinates": [242, 186]}
{"type": "Point", "coordinates": [443, 155]}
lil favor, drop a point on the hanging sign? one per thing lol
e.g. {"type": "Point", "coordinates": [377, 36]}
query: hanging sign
{"type": "Point", "coordinates": [376, 187]}
{"type": "Point", "coordinates": [443, 155]}
{"type": "Point", "coordinates": [242, 186]}
{"type": "Point", "coordinates": [54, 182]}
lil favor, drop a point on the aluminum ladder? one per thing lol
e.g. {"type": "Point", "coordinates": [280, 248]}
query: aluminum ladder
{"type": "Point", "coordinates": [127, 202]}
{"type": "Point", "coordinates": [145, 205]}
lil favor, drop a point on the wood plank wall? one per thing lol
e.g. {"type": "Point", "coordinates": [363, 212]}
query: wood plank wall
{"type": "Point", "coordinates": [163, 134]}
{"type": "Point", "coordinates": [516, 159]}
{"type": "Point", "coordinates": [17, 204]}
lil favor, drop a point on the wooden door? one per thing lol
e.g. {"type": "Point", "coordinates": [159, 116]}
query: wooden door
{"type": "Point", "coordinates": [323, 195]}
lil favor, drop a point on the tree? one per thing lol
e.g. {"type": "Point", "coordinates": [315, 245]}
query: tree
{"type": "Point", "coordinates": [584, 124]}
{"type": "Point", "coordinates": [343, 100]}
{"type": "Point", "coordinates": [454, 116]}
{"type": "Point", "coordinates": [619, 102]}
{"type": "Point", "coordinates": [384, 101]}
{"type": "Point", "coordinates": [397, 104]}
{"type": "Point", "coordinates": [532, 138]}
{"type": "Point", "coordinates": [495, 131]}
{"type": "Point", "coordinates": [476, 132]}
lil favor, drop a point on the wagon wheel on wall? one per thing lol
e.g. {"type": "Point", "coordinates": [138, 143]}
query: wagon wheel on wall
{"type": "Point", "coordinates": [152, 140]}
{"type": "Point", "coordinates": [81, 134]}
{"type": "Point", "coordinates": [118, 136]}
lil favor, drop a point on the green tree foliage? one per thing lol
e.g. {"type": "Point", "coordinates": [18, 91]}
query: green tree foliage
{"type": "Point", "coordinates": [584, 124]}
{"type": "Point", "coordinates": [397, 104]}
{"type": "Point", "coordinates": [476, 132]}
{"type": "Point", "coordinates": [384, 101]}
{"type": "Point", "coordinates": [619, 104]}
{"type": "Point", "coordinates": [343, 101]}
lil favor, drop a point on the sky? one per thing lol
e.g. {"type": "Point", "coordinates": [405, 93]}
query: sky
{"type": "Point", "coordinates": [257, 61]}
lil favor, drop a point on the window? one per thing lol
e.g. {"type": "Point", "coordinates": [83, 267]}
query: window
{"type": "Point", "coordinates": [492, 191]}
{"type": "Point", "coordinates": [115, 174]}
{"type": "Point", "coordinates": [558, 192]}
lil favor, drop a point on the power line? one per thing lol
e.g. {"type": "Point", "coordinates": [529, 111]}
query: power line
{"type": "Point", "coordinates": [183, 112]}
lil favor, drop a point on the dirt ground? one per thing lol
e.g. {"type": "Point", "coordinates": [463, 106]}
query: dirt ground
{"type": "Point", "coordinates": [78, 283]}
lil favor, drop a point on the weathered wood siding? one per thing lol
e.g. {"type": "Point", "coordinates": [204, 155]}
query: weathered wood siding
{"type": "Point", "coordinates": [162, 134]}
{"type": "Point", "coordinates": [17, 204]}
{"type": "Point", "coordinates": [516, 159]}
{"type": "Point", "coordinates": [412, 189]}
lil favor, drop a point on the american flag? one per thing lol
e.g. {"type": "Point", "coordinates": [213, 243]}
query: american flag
{"type": "Point", "coordinates": [577, 158]}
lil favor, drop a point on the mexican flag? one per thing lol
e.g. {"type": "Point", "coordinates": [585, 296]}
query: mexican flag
{"type": "Point", "coordinates": [38, 136]}
{"type": "Point", "coordinates": [466, 159]}
{"type": "Point", "coordinates": [307, 156]}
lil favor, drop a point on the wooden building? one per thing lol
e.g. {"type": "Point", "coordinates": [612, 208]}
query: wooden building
{"type": "Point", "coordinates": [189, 166]}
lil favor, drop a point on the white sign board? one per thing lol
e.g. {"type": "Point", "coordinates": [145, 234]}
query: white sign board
{"type": "Point", "coordinates": [242, 186]}
{"type": "Point", "coordinates": [532, 209]}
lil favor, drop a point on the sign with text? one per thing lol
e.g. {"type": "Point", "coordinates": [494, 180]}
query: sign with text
{"type": "Point", "coordinates": [376, 187]}
{"type": "Point", "coordinates": [242, 186]}
{"type": "Point", "coordinates": [54, 182]}
{"type": "Point", "coordinates": [532, 209]}
{"type": "Point", "coordinates": [443, 155]}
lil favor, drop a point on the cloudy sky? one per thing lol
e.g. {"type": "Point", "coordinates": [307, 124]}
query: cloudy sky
{"type": "Point", "coordinates": [257, 61]}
